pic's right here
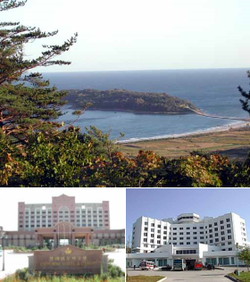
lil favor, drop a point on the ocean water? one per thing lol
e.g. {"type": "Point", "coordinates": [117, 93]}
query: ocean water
{"type": "Point", "coordinates": [214, 91]}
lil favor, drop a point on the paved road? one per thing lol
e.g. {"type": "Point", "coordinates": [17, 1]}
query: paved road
{"type": "Point", "coordinates": [187, 276]}
{"type": "Point", "coordinates": [13, 262]}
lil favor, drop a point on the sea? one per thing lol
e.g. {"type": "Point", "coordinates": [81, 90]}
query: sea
{"type": "Point", "coordinates": [214, 91]}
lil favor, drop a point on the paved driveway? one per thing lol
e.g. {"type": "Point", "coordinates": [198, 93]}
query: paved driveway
{"type": "Point", "coordinates": [187, 276]}
{"type": "Point", "coordinates": [13, 262]}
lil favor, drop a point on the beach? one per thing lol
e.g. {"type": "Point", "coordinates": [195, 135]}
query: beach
{"type": "Point", "coordinates": [232, 141]}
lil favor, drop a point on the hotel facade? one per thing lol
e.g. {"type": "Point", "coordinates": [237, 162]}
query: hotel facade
{"type": "Point", "coordinates": [211, 240]}
{"type": "Point", "coordinates": [64, 219]}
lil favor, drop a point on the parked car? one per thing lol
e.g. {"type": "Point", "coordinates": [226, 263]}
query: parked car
{"type": "Point", "coordinates": [166, 267]}
{"type": "Point", "coordinates": [210, 266]}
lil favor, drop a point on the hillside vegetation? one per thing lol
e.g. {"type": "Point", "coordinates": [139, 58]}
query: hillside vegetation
{"type": "Point", "coordinates": [131, 101]}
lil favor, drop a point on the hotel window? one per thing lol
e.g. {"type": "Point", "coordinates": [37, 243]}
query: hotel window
{"type": "Point", "coordinates": [210, 225]}
{"type": "Point", "coordinates": [165, 227]}
{"type": "Point", "coordinates": [164, 237]}
{"type": "Point", "coordinates": [228, 225]}
{"type": "Point", "coordinates": [181, 238]}
{"type": "Point", "coordinates": [164, 232]}
{"type": "Point", "coordinates": [146, 223]}
{"type": "Point", "coordinates": [210, 230]}
{"type": "Point", "coordinates": [187, 228]}
{"type": "Point", "coordinates": [222, 221]}
{"type": "Point", "coordinates": [229, 243]}
{"type": "Point", "coordinates": [195, 238]}
{"type": "Point", "coordinates": [230, 249]}
{"type": "Point", "coordinates": [152, 224]}
{"type": "Point", "coordinates": [158, 231]}
{"type": "Point", "coordinates": [151, 240]}
{"type": "Point", "coordinates": [201, 232]}
{"type": "Point", "coordinates": [216, 234]}
{"type": "Point", "coordinates": [181, 243]}
{"type": "Point", "coordinates": [159, 226]}
{"type": "Point", "coordinates": [158, 236]}
{"type": "Point", "coordinates": [216, 229]}
{"type": "Point", "coordinates": [201, 237]}
{"type": "Point", "coordinates": [181, 228]}
{"type": "Point", "coordinates": [145, 240]}
{"type": "Point", "coordinates": [152, 235]}
{"type": "Point", "coordinates": [222, 233]}
{"type": "Point", "coordinates": [210, 241]}
{"type": "Point", "coordinates": [152, 230]}
{"type": "Point", "coordinates": [222, 227]}
{"type": "Point", "coordinates": [222, 238]}
{"type": "Point", "coordinates": [194, 233]}
{"type": "Point", "coordinates": [188, 233]}
{"type": "Point", "coordinates": [188, 243]}
{"type": "Point", "coordinates": [181, 233]}
{"type": "Point", "coordinates": [158, 242]}
{"type": "Point", "coordinates": [188, 238]}
{"type": "Point", "coordinates": [145, 234]}
{"type": "Point", "coordinates": [229, 237]}
{"type": "Point", "coordinates": [215, 224]}
{"type": "Point", "coordinates": [145, 229]}
{"type": "Point", "coordinates": [201, 227]}
{"type": "Point", "coordinates": [228, 219]}
{"type": "Point", "coordinates": [174, 228]}
{"type": "Point", "coordinates": [195, 243]}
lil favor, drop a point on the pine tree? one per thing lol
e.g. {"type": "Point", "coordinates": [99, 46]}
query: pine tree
{"type": "Point", "coordinates": [27, 103]}
{"type": "Point", "coordinates": [246, 95]}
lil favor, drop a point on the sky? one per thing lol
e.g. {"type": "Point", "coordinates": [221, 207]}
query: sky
{"type": "Point", "coordinates": [142, 34]}
{"type": "Point", "coordinates": [9, 198]}
{"type": "Point", "coordinates": [169, 203]}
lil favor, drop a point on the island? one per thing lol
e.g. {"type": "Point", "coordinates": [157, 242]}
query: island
{"type": "Point", "coordinates": [129, 101]}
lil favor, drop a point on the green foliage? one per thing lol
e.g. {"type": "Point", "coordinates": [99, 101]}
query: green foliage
{"type": "Point", "coordinates": [115, 271]}
{"type": "Point", "coordinates": [69, 158]}
{"type": "Point", "coordinates": [246, 96]}
{"type": "Point", "coordinates": [24, 109]}
{"type": "Point", "coordinates": [124, 100]}
{"type": "Point", "coordinates": [244, 255]}
{"type": "Point", "coordinates": [23, 274]}
{"type": "Point", "coordinates": [104, 277]}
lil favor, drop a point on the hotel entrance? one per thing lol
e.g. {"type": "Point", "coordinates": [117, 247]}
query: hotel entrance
{"type": "Point", "coordinates": [63, 233]}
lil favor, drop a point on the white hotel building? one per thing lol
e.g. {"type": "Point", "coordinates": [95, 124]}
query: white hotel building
{"type": "Point", "coordinates": [211, 240]}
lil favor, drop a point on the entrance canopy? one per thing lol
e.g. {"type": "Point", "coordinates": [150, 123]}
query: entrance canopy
{"type": "Point", "coordinates": [64, 230]}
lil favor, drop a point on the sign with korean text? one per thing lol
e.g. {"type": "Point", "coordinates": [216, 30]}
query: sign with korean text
{"type": "Point", "coordinates": [68, 260]}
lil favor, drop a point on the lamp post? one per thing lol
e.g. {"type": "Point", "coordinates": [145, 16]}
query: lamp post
{"type": "Point", "coordinates": [237, 251]}
{"type": "Point", "coordinates": [63, 233]}
{"type": "Point", "coordinates": [3, 236]}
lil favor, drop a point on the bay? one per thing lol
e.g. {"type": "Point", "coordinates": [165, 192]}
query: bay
{"type": "Point", "coordinates": [214, 91]}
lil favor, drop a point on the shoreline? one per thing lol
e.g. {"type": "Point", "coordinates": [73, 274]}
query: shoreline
{"type": "Point", "coordinates": [225, 128]}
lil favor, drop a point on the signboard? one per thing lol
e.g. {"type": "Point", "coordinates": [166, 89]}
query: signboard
{"type": "Point", "coordinates": [68, 260]}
